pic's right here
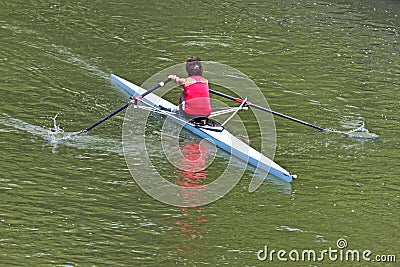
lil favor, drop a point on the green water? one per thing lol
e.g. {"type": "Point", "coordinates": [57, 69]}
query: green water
{"type": "Point", "coordinates": [333, 63]}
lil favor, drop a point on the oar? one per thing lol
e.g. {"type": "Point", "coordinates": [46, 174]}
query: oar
{"type": "Point", "coordinates": [123, 107]}
{"type": "Point", "coordinates": [365, 134]}
{"type": "Point", "coordinates": [116, 111]}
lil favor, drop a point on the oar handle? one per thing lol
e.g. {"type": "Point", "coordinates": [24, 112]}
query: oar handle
{"type": "Point", "coordinates": [160, 84]}
{"type": "Point", "coordinates": [151, 90]}
{"type": "Point", "coordinates": [239, 100]}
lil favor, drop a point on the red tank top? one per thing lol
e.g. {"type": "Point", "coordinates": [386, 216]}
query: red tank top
{"type": "Point", "coordinates": [197, 96]}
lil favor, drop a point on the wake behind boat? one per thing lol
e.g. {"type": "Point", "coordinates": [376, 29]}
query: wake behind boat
{"type": "Point", "coordinates": [220, 136]}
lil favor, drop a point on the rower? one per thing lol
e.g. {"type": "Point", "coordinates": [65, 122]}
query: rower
{"type": "Point", "coordinates": [194, 101]}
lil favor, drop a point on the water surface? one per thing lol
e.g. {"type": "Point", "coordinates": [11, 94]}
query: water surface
{"type": "Point", "coordinates": [333, 63]}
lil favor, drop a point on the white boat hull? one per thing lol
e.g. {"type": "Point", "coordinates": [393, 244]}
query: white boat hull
{"type": "Point", "coordinates": [223, 140]}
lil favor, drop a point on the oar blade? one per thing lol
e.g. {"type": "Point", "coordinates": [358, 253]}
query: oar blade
{"type": "Point", "coordinates": [364, 136]}
{"type": "Point", "coordinates": [66, 138]}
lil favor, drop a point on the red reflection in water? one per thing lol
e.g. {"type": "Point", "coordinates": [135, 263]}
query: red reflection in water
{"type": "Point", "coordinates": [193, 174]}
{"type": "Point", "coordinates": [192, 171]}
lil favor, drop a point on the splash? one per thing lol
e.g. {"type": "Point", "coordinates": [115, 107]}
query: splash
{"type": "Point", "coordinates": [56, 130]}
{"type": "Point", "coordinates": [57, 134]}
{"type": "Point", "coordinates": [360, 133]}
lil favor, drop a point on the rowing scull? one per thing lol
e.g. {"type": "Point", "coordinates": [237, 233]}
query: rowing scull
{"type": "Point", "coordinates": [222, 139]}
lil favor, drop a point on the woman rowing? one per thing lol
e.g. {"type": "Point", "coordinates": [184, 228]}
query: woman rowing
{"type": "Point", "coordinates": [194, 101]}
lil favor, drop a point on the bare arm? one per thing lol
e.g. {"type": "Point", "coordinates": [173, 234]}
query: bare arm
{"type": "Point", "coordinates": [178, 80]}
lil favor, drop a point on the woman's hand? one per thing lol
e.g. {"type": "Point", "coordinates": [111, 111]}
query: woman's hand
{"type": "Point", "coordinates": [177, 79]}
{"type": "Point", "coordinates": [172, 77]}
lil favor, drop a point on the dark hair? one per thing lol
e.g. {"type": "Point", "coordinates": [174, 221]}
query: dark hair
{"type": "Point", "coordinates": [193, 66]}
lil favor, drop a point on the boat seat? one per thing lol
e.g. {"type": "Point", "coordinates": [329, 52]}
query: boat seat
{"type": "Point", "coordinates": [199, 120]}
{"type": "Point", "coordinates": [206, 123]}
